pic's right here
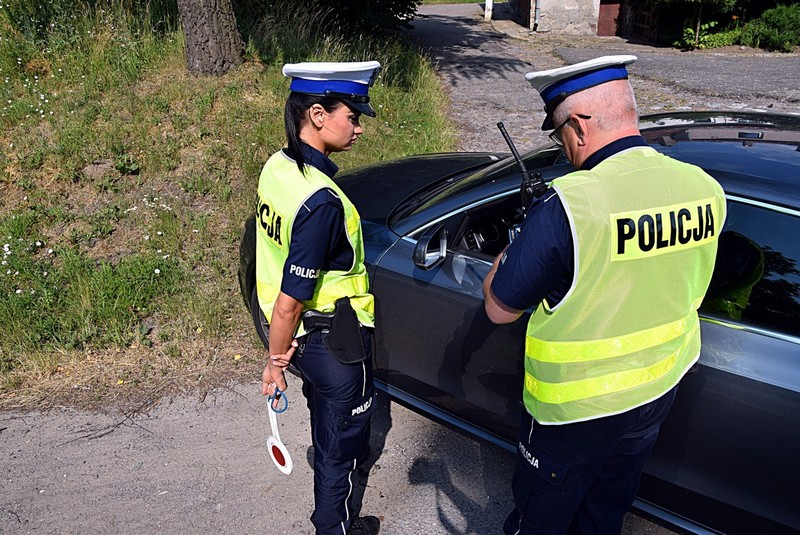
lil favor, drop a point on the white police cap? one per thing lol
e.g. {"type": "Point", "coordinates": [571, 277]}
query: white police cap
{"type": "Point", "coordinates": [348, 81]}
{"type": "Point", "coordinates": [555, 85]}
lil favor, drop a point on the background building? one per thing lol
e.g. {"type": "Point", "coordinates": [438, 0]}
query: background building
{"type": "Point", "coordinates": [584, 17]}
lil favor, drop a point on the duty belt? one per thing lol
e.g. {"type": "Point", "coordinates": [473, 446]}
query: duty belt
{"type": "Point", "coordinates": [314, 320]}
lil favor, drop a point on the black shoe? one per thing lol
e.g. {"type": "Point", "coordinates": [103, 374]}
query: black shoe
{"type": "Point", "coordinates": [364, 525]}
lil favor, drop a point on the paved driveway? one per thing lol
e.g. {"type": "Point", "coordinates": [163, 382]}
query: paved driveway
{"type": "Point", "coordinates": [483, 66]}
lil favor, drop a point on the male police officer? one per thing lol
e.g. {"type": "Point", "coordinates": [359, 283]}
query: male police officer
{"type": "Point", "coordinates": [616, 257]}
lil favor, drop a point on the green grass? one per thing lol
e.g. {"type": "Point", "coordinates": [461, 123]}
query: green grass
{"type": "Point", "coordinates": [125, 181]}
{"type": "Point", "coordinates": [62, 299]}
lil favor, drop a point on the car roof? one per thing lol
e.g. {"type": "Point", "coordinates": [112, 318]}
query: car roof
{"type": "Point", "coordinates": [755, 155]}
{"type": "Point", "coordinates": [752, 155]}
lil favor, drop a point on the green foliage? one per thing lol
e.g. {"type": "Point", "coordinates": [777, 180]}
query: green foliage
{"type": "Point", "coordinates": [721, 39]}
{"type": "Point", "coordinates": [39, 20]}
{"type": "Point", "coordinates": [784, 19]}
{"type": "Point", "coordinates": [723, 5]}
{"type": "Point", "coordinates": [62, 299]}
{"type": "Point", "coordinates": [776, 29]}
{"type": "Point", "coordinates": [365, 16]}
{"type": "Point", "coordinates": [115, 163]}
{"type": "Point", "coordinates": [706, 38]}
{"type": "Point", "coordinates": [98, 308]}
{"type": "Point", "coordinates": [730, 22]}
{"type": "Point", "coordinates": [676, 18]}
{"type": "Point", "coordinates": [125, 164]}
{"type": "Point", "coordinates": [88, 45]}
{"type": "Point", "coordinates": [348, 17]}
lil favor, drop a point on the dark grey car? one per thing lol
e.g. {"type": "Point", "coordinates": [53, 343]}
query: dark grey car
{"type": "Point", "coordinates": [726, 457]}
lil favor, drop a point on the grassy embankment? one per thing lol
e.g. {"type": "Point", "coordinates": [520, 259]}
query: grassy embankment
{"type": "Point", "coordinates": [124, 182]}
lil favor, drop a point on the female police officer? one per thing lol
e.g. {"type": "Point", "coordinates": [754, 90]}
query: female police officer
{"type": "Point", "coordinates": [310, 255]}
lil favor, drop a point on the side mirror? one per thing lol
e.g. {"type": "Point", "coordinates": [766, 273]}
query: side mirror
{"type": "Point", "coordinates": [431, 248]}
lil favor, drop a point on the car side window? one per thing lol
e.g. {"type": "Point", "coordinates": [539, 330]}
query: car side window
{"type": "Point", "coordinates": [757, 274]}
{"type": "Point", "coordinates": [485, 231]}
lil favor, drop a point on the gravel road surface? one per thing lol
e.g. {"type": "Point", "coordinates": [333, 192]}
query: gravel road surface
{"type": "Point", "coordinates": [190, 467]}
{"type": "Point", "coordinates": [201, 466]}
{"type": "Point", "coordinates": [483, 66]}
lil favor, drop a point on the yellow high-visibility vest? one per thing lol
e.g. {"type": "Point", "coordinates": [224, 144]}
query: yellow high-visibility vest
{"type": "Point", "coordinates": [645, 230]}
{"type": "Point", "coordinates": [282, 189]}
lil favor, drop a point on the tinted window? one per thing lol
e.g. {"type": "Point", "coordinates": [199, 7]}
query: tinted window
{"type": "Point", "coordinates": [756, 278]}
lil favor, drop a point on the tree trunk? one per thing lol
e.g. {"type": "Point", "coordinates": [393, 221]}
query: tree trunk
{"type": "Point", "coordinates": [698, 13]}
{"type": "Point", "coordinates": [213, 43]}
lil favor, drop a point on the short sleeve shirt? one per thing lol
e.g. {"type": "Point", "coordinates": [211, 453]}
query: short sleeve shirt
{"type": "Point", "coordinates": [319, 239]}
{"type": "Point", "coordinates": [540, 263]}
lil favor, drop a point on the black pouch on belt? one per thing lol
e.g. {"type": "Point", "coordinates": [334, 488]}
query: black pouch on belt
{"type": "Point", "coordinates": [344, 338]}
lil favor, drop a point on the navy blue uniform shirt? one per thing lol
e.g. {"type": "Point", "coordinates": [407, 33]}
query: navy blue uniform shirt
{"type": "Point", "coordinates": [319, 240]}
{"type": "Point", "coordinates": [540, 263]}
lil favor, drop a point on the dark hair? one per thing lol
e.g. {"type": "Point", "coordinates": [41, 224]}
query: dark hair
{"type": "Point", "coordinates": [294, 114]}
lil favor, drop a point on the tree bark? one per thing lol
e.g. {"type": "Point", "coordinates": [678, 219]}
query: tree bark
{"type": "Point", "coordinates": [213, 43]}
{"type": "Point", "coordinates": [698, 14]}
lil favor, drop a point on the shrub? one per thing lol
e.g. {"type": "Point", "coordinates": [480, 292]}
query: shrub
{"type": "Point", "coordinates": [717, 40]}
{"type": "Point", "coordinates": [707, 39]}
{"type": "Point", "coordinates": [775, 29]}
{"type": "Point", "coordinates": [755, 23]}
{"type": "Point", "coordinates": [346, 16]}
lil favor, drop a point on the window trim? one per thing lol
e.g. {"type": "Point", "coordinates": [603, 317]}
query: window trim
{"type": "Point", "coordinates": [765, 205]}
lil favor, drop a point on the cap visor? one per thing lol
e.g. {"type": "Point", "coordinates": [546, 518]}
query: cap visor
{"type": "Point", "coordinates": [548, 122]}
{"type": "Point", "coordinates": [360, 107]}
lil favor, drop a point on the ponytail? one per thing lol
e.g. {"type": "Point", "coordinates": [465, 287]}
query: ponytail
{"type": "Point", "coordinates": [297, 104]}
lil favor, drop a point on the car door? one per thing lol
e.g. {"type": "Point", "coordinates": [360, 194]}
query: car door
{"type": "Point", "coordinates": [727, 454]}
{"type": "Point", "coordinates": [435, 343]}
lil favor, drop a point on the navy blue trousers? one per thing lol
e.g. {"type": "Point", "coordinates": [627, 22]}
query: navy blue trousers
{"type": "Point", "coordinates": [340, 398]}
{"type": "Point", "coordinates": [581, 478]}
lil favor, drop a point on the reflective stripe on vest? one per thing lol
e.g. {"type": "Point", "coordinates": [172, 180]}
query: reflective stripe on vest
{"type": "Point", "coordinates": [645, 230]}
{"type": "Point", "coordinates": [282, 190]}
